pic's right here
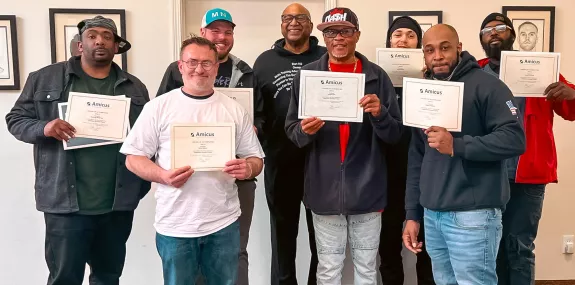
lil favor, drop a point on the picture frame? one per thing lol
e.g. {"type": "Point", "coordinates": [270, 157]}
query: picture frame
{"type": "Point", "coordinates": [426, 19]}
{"type": "Point", "coordinates": [9, 61]}
{"type": "Point", "coordinates": [534, 27]}
{"type": "Point", "coordinates": [63, 27]}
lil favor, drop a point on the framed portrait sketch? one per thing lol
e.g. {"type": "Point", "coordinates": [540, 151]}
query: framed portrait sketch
{"type": "Point", "coordinates": [534, 27]}
{"type": "Point", "coordinates": [9, 69]}
{"type": "Point", "coordinates": [426, 19]}
{"type": "Point", "coordinates": [63, 28]}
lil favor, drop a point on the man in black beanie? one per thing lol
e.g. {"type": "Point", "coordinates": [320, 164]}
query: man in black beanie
{"type": "Point", "coordinates": [404, 32]}
{"type": "Point", "coordinates": [529, 173]}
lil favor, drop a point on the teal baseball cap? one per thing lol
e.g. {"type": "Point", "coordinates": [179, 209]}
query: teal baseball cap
{"type": "Point", "coordinates": [216, 14]}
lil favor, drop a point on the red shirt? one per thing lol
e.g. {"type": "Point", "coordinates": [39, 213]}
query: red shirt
{"type": "Point", "coordinates": [344, 127]}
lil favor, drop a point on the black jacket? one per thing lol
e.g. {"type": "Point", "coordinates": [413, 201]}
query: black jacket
{"type": "Point", "coordinates": [475, 177]}
{"type": "Point", "coordinates": [275, 69]}
{"type": "Point", "coordinates": [358, 185]}
{"type": "Point", "coordinates": [55, 171]}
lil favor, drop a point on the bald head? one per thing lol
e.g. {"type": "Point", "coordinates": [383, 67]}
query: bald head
{"type": "Point", "coordinates": [296, 8]}
{"type": "Point", "coordinates": [441, 49]}
{"type": "Point", "coordinates": [441, 31]}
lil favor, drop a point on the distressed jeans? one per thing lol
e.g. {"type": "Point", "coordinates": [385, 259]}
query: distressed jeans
{"type": "Point", "coordinates": [463, 245]}
{"type": "Point", "coordinates": [516, 260]}
{"type": "Point", "coordinates": [332, 234]}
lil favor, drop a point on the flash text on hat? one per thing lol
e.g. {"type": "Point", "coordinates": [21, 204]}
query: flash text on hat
{"type": "Point", "coordinates": [335, 17]}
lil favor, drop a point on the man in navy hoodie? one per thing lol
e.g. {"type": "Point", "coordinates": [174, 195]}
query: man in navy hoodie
{"type": "Point", "coordinates": [457, 182]}
{"type": "Point", "coordinates": [345, 168]}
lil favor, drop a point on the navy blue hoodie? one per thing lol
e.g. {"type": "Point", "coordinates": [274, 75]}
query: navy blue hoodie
{"type": "Point", "coordinates": [475, 177]}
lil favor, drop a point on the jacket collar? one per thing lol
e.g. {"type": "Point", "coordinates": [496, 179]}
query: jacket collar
{"type": "Point", "coordinates": [242, 66]}
{"type": "Point", "coordinates": [367, 68]}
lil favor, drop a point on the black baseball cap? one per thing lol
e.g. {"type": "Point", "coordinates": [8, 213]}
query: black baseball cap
{"type": "Point", "coordinates": [497, 17]}
{"type": "Point", "coordinates": [107, 23]}
{"type": "Point", "coordinates": [339, 16]}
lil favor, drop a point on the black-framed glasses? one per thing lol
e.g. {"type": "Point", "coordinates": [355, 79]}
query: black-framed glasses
{"type": "Point", "coordinates": [300, 18]}
{"type": "Point", "coordinates": [346, 33]}
{"type": "Point", "coordinates": [499, 29]}
{"type": "Point", "coordinates": [193, 64]}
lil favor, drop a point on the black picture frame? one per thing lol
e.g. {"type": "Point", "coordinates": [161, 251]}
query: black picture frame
{"type": "Point", "coordinates": [542, 14]}
{"type": "Point", "coordinates": [418, 14]}
{"type": "Point", "coordinates": [12, 82]}
{"type": "Point", "coordinates": [78, 15]}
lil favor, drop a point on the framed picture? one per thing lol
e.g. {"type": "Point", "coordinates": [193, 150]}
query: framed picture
{"type": "Point", "coordinates": [426, 19]}
{"type": "Point", "coordinates": [9, 70]}
{"type": "Point", "coordinates": [534, 27]}
{"type": "Point", "coordinates": [63, 28]}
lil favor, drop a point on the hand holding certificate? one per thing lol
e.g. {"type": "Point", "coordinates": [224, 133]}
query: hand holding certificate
{"type": "Point", "coordinates": [400, 62]}
{"type": "Point", "coordinates": [98, 116]}
{"type": "Point", "coordinates": [203, 146]}
{"type": "Point", "coordinates": [429, 103]}
{"type": "Point", "coordinates": [528, 74]}
{"type": "Point", "coordinates": [331, 96]}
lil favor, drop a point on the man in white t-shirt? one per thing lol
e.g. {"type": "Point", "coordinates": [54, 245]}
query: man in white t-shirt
{"type": "Point", "coordinates": [196, 213]}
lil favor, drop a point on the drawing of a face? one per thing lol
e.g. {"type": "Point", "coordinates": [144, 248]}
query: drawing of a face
{"type": "Point", "coordinates": [528, 36]}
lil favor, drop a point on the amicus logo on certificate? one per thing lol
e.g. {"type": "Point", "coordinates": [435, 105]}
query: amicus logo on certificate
{"type": "Point", "coordinates": [203, 146]}
{"type": "Point", "coordinates": [331, 96]}
{"type": "Point", "coordinates": [96, 116]}
{"type": "Point", "coordinates": [429, 103]}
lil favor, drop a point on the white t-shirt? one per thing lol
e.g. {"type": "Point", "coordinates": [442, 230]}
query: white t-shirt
{"type": "Point", "coordinates": [208, 201]}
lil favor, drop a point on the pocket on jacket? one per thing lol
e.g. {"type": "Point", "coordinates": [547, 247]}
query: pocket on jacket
{"type": "Point", "coordinates": [46, 102]}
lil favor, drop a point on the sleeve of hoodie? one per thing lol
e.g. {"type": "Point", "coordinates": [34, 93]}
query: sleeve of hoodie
{"type": "Point", "coordinates": [169, 81]}
{"type": "Point", "coordinates": [505, 136]}
{"type": "Point", "coordinates": [292, 124]}
{"type": "Point", "coordinates": [22, 120]}
{"type": "Point", "coordinates": [565, 108]}
{"type": "Point", "coordinates": [259, 114]}
{"type": "Point", "coordinates": [388, 125]}
{"type": "Point", "coordinates": [413, 210]}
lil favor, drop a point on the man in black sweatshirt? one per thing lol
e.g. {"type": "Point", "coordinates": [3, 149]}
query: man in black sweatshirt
{"type": "Point", "coordinates": [457, 182]}
{"type": "Point", "coordinates": [284, 164]}
{"type": "Point", "coordinates": [404, 32]}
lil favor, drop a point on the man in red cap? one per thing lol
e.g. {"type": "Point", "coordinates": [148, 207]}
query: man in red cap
{"type": "Point", "coordinates": [532, 171]}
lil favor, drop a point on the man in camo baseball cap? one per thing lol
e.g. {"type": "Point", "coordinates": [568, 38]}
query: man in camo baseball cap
{"type": "Point", "coordinates": [100, 21]}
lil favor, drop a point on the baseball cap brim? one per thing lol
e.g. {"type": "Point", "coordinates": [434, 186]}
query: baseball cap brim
{"type": "Point", "coordinates": [123, 45]}
{"type": "Point", "coordinates": [220, 20]}
{"type": "Point", "coordinates": [326, 25]}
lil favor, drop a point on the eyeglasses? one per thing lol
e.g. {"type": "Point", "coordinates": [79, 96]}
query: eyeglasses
{"type": "Point", "coordinates": [193, 64]}
{"type": "Point", "coordinates": [346, 33]}
{"type": "Point", "coordinates": [300, 18]}
{"type": "Point", "coordinates": [499, 29]}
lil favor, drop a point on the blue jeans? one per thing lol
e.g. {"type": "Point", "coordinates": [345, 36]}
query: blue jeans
{"type": "Point", "coordinates": [331, 235]}
{"type": "Point", "coordinates": [463, 245]}
{"type": "Point", "coordinates": [516, 260]}
{"type": "Point", "coordinates": [216, 255]}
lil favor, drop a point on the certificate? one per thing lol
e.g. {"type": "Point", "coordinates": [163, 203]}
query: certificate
{"type": "Point", "coordinates": [528, 74]}
{"type": "Point", "coordinates": [98, 116]}
{"type": "Point", "coordinates": [80, 142]}
{"type": "Point", "coordinates": [400, 62]}
{"type": "Point", "coordinates": [429, 103]}
{"type": "Point", "coordinates": [331, 96]}
{"type": "Point", "coordinates": [203, 146]}
{"type": "Point", "coordinates": [244, 96]}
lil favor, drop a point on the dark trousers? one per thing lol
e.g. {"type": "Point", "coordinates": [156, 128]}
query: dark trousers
{"type": "Point", "coordinates": [284, 193]}
{"type": "Point", "coordinates": [73, 240]}
{"type": "Point", "coordinates": [391, 245]}
{"type": "Point", "coordinates": [516, 260]}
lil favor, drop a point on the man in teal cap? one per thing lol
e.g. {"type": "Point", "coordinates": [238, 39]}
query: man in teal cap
{"type": "Point", "coordinates": [218, 27]}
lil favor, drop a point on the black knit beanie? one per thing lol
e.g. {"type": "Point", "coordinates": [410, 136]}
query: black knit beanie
{"type": "Point", "coordinates": [404, 22]}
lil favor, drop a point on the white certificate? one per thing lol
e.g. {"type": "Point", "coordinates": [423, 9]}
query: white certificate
{"type": "Point", "coordinates": [80, 142]}
{"type": "Point", "coordinates": [331, 96]}
{"type": "Point", "coordinates": [244, 96]}
{"type": "Point", "coordinates": [528, 74]}
{"type": "Point", "coordinates": [98, 116]}
{"type": "Point", "coordinates": [400, 62]}
{"type": "Point", "coordinates": [203, 146]}
{"type": "Point", "coordinates": [429, 103]}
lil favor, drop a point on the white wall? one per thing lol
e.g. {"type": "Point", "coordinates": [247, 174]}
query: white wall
{"type": "Point", "coordinates": [22, 227]}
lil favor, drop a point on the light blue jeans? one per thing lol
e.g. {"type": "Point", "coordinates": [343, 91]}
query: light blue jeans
{"type": "Point", "coordinates": [463, 246]}
{"type": "Point", "coordinates": [331, 235]}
